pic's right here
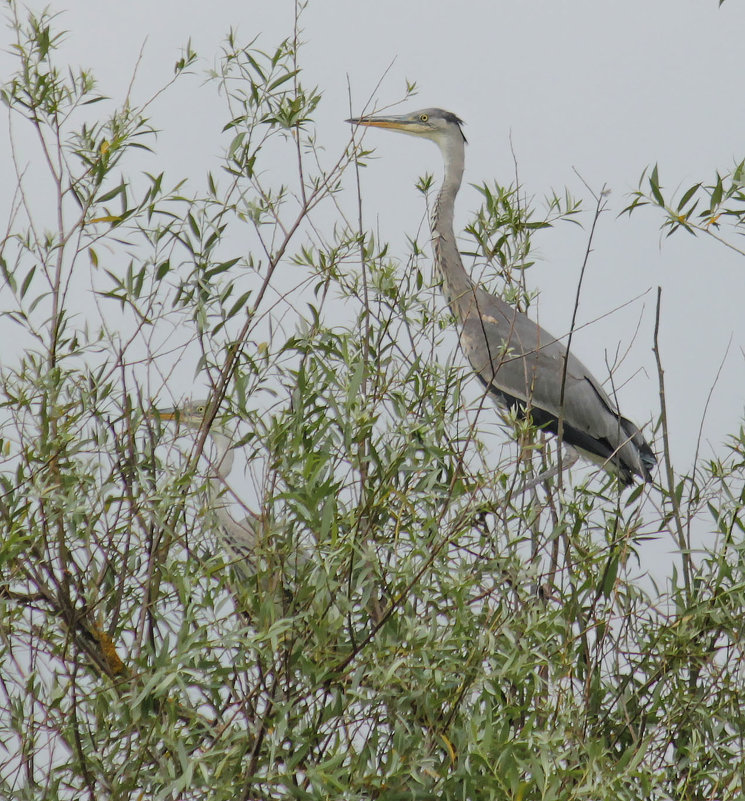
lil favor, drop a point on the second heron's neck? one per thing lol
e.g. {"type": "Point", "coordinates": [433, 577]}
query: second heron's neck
{"type": "Point", "coordinates": [224, 453]}
{"type": "Point", "coordinates": [456, 283]}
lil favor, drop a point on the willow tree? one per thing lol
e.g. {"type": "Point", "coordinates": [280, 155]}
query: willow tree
{"type": "Point", "coordinates": [455, 629]}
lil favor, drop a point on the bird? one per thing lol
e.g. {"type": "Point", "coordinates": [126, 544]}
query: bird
{"type": "Point", "coordinates": [520, 365]}
{"type": "Point", "coordinates": [266, 571]}
{"type": "Point", "coordinates": [238, 538]}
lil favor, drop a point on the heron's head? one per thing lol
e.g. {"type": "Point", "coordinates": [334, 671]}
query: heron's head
{"type": "Point", "coordinates": [442, 127]}
{"type": "Point", "coordinates": [190, 413]}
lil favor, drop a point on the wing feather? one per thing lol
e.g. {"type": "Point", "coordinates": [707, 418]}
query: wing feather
{"type": "Point", "coordinates": [523, 365]}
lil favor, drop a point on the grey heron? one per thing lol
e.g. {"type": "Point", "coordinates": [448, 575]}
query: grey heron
{"type": "Point", "coordinates": [237, 538]}
{"type": "Point", "coordinates": [243, 541]}
{"type": "Point", "coordinates": [519, 363]}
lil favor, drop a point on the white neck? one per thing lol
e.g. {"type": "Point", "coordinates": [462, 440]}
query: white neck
{"type": "Point", "coordinates": [222, 462]}
{"type": "Point", "coordinates": [456, 283]}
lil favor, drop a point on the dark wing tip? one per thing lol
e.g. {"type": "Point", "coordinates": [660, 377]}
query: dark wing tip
{"type": "Point", "coordinates": [646, 459]}
{"type": "Point", "coordinates": [649, 462]}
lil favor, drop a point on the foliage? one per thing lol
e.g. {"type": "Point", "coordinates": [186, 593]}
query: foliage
{"type": "Point", "coordinates": [702, 208]}
{"type": "Point", "coordinates": [424, 621]}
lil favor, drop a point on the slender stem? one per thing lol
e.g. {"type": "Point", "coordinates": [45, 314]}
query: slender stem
{"type": "Point", "coordinates": [560, 431]}
{"type": "Point", "coordinates": [685, 550]}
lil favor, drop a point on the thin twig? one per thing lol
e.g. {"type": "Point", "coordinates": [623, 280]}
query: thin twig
{"type": "Point", "coordinates": [599, 207]}
{"type": "Point", "coordinates": [685, 551]}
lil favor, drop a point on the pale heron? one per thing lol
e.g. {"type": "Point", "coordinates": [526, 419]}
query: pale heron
{"type": "Point", "coordinates": [519, 363]}
{"type": "Point", "coordinates": [256, 560]}
{"type": "Point", "coordinates": [237, 538]}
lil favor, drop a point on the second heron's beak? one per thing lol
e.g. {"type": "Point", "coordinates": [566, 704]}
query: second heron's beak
{"type": "Point", "coordinates": [166, 415]}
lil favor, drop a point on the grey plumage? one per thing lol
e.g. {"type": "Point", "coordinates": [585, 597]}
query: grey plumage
{"type": "Point", "coordinates": [519, 363]}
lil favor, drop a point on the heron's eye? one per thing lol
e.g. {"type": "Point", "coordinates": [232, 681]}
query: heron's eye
{"type": "Point", "coordinates": [423, 117]}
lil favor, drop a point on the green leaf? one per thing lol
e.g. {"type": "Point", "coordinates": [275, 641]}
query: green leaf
{"type": "Point", "coordinates": [27, 281]}
{"type": "Point", "coordinates": [717, 193]}
{"type": "Point", "coordinates": [220, 268]}
{"type": "Point", "coordinates": [610, 575]}
{"type": "Point", "coordinates": [112, 193]}
{"type": "Point", "coordinates": [239, 304]}
{"type": "Point", "coordinates": [162, 270]}
{"type": "Point", "coordinates": [282, 79]}
{"type": "Point", "coordinates": [654, 185]}
{"type": "Point", "coordinates": [688, 195]}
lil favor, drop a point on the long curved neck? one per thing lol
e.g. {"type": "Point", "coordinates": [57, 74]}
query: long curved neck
{"type": "Point", "coordinates": [222, 463]}
{"type": "Point", "coordinates": [456, 283]}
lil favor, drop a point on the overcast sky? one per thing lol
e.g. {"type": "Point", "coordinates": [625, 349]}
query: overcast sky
{"type": "Point", "coordinates": [598, 87]}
